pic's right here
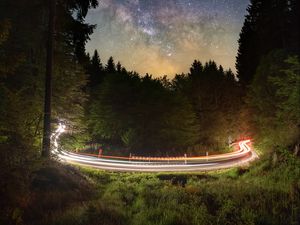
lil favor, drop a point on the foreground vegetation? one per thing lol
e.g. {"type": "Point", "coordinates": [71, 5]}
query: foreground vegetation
{"type": "Point", "coordinates": [268, 192]}
{"type": "Point", "coordinates": [203, 108]}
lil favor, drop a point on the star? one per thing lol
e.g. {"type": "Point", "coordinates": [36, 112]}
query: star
{"type": "Point", "coordinates": [138, 31]}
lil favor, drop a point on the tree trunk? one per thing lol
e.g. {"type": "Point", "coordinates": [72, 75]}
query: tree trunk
{"type": "Point", "coordinates": [48, 81]}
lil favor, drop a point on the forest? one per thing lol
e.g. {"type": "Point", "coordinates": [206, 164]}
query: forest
{"type": "Point", "coordinates": [205, 109]}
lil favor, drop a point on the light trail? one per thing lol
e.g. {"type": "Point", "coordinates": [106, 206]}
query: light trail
{"type": "Point", "coordinates": [157, 164]}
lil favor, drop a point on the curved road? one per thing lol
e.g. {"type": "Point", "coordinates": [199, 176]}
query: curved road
{"type": "Point", "coordinates": [158, 164]}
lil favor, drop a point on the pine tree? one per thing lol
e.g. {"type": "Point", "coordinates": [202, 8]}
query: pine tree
{"type": "Point", "coordinates": [119, 67]}
{"type": "Point", "coordinates": [196, 68]}
{"type": "Point", "coordinates": [96, 62]}
{"type": "Point", "coordinates": [269, 25]}
{"type": "Point", "coordinates": [95, 70]}
{"type": "Point", "coordinates": [110, 66]}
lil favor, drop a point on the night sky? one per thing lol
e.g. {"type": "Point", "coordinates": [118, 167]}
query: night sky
{"type": "Point", "coordinates": [163, 37]}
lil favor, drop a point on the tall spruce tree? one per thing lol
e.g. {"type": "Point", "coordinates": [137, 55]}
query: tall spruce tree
{"type": "Point", "coordinates": [95, 70]}
{"type": "Point", "coordinates": [268, 25]}
{"type": "Point", "coordinates": [119, 67]}
{"type": "Point", "coordinates": [110, 66]}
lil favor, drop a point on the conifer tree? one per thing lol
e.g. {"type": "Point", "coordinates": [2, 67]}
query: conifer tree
{"type": "Point", "coordinates": [196, 68]}
{"type": "Point", "coordinates": [110, 66]}
{"type": "Point", "coordinates": [268, 25]}
{"type": "Point", "coordinates": [119, 67]}
{"type": "Point", "coordinates": [95, 70]}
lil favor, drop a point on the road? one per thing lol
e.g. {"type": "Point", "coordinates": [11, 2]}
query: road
{"type": "Point", "coordinates": [240, 157]}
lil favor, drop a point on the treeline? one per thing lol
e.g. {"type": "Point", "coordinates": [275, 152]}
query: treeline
{"type": "Point", "coordinates": [146, 115]}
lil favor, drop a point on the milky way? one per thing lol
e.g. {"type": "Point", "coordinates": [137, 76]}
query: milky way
{"type": "Point", "coordinates": [163, 37]}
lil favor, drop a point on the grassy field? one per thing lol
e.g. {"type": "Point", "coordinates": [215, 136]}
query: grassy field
{"type": "Point", "coordinates": [261, 194]}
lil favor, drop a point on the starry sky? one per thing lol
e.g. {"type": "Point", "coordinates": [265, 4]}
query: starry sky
{"type": "Point", "coordinates": [163, 37]}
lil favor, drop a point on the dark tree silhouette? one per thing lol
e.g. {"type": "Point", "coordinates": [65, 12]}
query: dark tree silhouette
{"type": "Point", "coordinates": [269, 25]}
{"type": "Point", "coordinates": [119, 67]}
{"type": "Point", "coordinates": [96, 62]}
{"type": "Point", "coordinates": [110, 66]}
{"type": "Point", "coordinates": [95, 70]}
{"type": "Point", "coordinates": [196, 68]}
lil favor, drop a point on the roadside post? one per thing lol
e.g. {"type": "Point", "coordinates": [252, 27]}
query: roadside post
{"type": "Point", "coordinates": [100, 152]}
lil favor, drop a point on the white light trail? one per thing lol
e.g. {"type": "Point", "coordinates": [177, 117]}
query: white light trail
{"type": "Point", "coordinates": [157, 164]}
{"type": "Point", "coordinates": [55, 136]}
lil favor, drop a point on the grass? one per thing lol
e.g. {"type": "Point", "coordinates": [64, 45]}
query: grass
{"type": "Point", "coordinates": [256, 195]}
{"type": "Point", "coordinates": [261, 194]}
